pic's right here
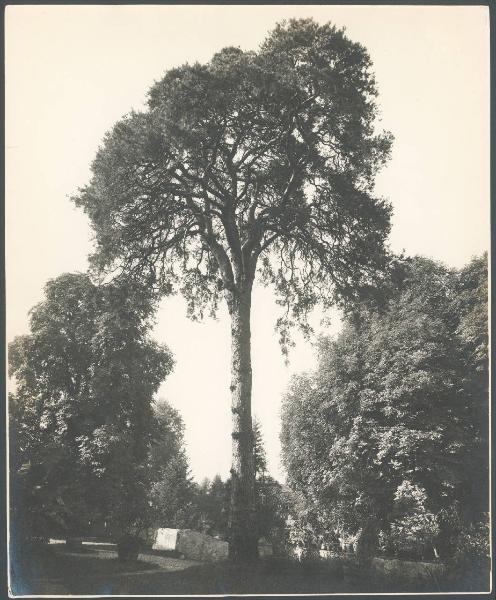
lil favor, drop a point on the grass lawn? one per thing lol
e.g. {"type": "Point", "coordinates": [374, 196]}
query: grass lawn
{"type": "Point", "coordinates": [55, 570]}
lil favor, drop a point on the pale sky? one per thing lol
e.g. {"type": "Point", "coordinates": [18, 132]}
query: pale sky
{"type": "Point", "coordinates": [73, 71]}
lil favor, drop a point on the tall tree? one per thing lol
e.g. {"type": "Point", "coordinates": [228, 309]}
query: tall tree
{"type": "Point", "coordinates": [254, 161]}
{"type": "Point", "coordinates": [51, 367]}
{"type": "Point", "coordinates": [81, 413]}
{"type": "Point", "coordinates": [399, 402]}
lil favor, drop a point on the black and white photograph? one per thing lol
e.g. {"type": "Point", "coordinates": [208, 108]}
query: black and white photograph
{"type": "Point", "coordinates": [247, 305]}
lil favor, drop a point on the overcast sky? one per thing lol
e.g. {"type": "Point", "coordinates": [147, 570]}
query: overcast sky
{"type": "Point", "coordinates": [72, 71]}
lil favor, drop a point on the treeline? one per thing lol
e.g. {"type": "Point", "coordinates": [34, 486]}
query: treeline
{"type": "Point", "coordinates": [387, 441]}
{"type": "Point", "coordinates": [272, 504]}
{"type": "Point", "coordinates": [385, 445]}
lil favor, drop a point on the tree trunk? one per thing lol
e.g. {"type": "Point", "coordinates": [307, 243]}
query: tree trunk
{"type": "Point", "coordinates": [367, 543]}
{"type": "Point", "coordinates": [243, 539]}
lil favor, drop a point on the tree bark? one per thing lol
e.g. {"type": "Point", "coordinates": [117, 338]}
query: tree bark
{"type": "Point", "coordinates": [243, 539]}
{"type": "Point", "coordinates": [367, 543]}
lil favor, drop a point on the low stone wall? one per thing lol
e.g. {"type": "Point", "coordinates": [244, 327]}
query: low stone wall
{"type": "Point", "coordinates": [191, 544]}
{"type": "Point", "coordinates": [409, 570]}
{"type": "Point", "coordinates": [199, 546]}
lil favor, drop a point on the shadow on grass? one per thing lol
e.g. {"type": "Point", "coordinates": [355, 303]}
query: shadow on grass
{"type": "Point", "coordinates": [289, 577]}
{"type": "Point", "coordinates": [46, 567]}
{"type": "Point", "coordinates": [59, 571]}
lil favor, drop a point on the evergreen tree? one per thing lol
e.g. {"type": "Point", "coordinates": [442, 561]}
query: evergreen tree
{"type": "Point", "coordinates": [254, 162]}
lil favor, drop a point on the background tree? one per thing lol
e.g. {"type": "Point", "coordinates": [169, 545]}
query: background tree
{"type": "Point", "coordinates": [212, 501]}
{"type": "Point", "coordinates": [173, 493]}
{"type": "Point", "coordinates": [470, 304]}
{"type": "Point", "coordinates": [81, 414]}
{"type": "Point", "coordinates": [254, 161]}
{"type": "Point", "coordinates": [399, 400]}
{"type": "Point", "coordinates": [272, 504]}
{"type": "Point", "coordinates": [211, 507]}
{"type": "Point", "coordinates": [259, 453]}
{"type": "Point", "coordinates": [52, 374]}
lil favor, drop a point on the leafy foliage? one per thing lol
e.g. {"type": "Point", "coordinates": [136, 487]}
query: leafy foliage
{"type": "Point", "coordinates": [414, 529]}
{"type": "Point", "coordinates": [173, 491]}
{"type": "Point", "coordinates": [81, 417]}
{"type": "Point", "coordinates": [272, 504]}
{"type": "Point", "coordinates": [473, 544]}
{"type": "Point", "coordinates": [400, 396]}
{"type": "Point", "coordinates": [213, 499]}
{"type": "Point", "coordinates": [267, 154]}
{"type": "Point", "coordinates": [259, 453]}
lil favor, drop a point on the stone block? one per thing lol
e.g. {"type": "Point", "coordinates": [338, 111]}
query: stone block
{"type": "Point", "coordinates": [265, 548]}
{"type": "Point", "coordinates": [199, 546]}
{"type": "Point", "coordinates": [409, 570]}
{"type": "Point", "coordinates": [165, 539]}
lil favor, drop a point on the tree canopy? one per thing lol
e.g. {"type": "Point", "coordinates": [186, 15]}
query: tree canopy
{"type": "Point", "coordinates": [270, 153]}
{"type": "Point", "coordinates": [81, 416]}
{"type": "Point", "coordinates": [398, 405]}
